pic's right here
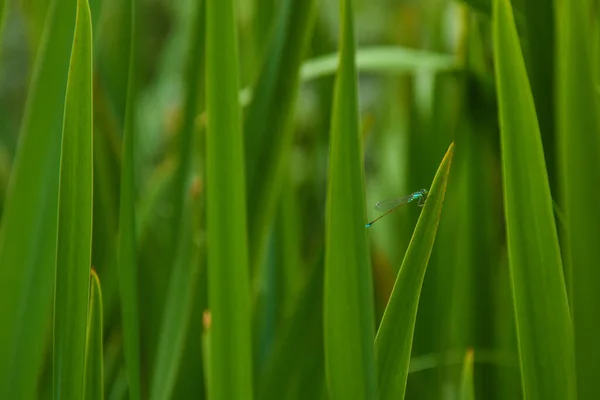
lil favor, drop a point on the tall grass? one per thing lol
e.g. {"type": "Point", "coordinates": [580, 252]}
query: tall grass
{"type": "Point", "coordinates": [229, 153]}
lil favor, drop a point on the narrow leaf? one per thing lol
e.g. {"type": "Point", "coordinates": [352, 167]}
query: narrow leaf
{"type": "Point", "coordinates": [394, 339]}
{"type": "Point", "coordinates": [467, 388]}
{"type": "Point", "coordinates": [544, 331]}
{"type": "Point", "coordinates": [178, 308]}
{"type": "Point", "coordinates": [94, 364]}
{"type": "Point", "coordinates": [268, 126]}
{"type": "Point", "coordinates": [579, 156]}
{"type": "Point", "coordinates": [348, 308]}
{"type": "Point", "coordinates": [74, 248]}
{"type": "Point", "coordinates": [230, 357]}
{"type": "Point", "coordinates": [128, 281]}
{"type": "Point", "coordinates": [382, 59]}
{"type": "Point", "coordinates": [29, 221]}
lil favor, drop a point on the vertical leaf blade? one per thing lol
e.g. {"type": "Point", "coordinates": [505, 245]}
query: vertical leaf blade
{"type": "Point", "coordinates": [467, 388]}
{"type": "Point", "coordinates": [268, 125]}
{"type": "Point", "coordinates": [348, 297]}
{"type": "Point", "coordinates": [178, 308]}
{"type": "Point", "coordinates": [394, 339]}
{"type": "Point", "coordinates": [230, 356]}
{"type": "Point", "coordinates": [29, 222]}
{"type": "Point", "coordinates": [126, 246]}
{"type": "Point", "coordinates": [74, 246]}
{"type": "Point", "coordinates": [579, 156]}
{"type": "Point", "coordinates": [94, 364]}
{"type": "Point", "coordinates": [544, 331]}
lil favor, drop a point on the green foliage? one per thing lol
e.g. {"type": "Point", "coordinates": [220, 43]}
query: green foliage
{"type": "Point", "coordinates": [74, 247]}
{"type": "Point", "coordinates": [579, 152]}
{"type": "Point", "coordinates": [542, 314]}
{"type": "Point", "coordinates": [30, 216]}
{"type": "Point", "coordinates": [224, 152]}
{"type": "Point", "coordinates": [126, 243]}
{"type": "Point", "coordinates": [395, 335]}
{"type": "Point", "coordinates": [230, 354]}
{"type": "Point", "coordinates": [348, 297]}
{"type": "Point", "coordinates": [94, 365]}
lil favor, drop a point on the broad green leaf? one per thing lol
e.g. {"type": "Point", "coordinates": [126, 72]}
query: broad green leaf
{"type": "Point", "coordinates": [394, 339]}
{"type": "Point", "coordinates": [29, 223]}
{"type": "Point", "coordinates": [268, 124]}
{"type": "Point", "coordinates": [467, 388]}
{"type": "Point", "coordinates": [126, 246]}
{"type": "Point", "coordinates": [348, 309]}
{"type": "Point", "coordinates": [382, 59]}
{"type": "Point", "coordinates": [579, 156]}
{"type": "Point", "coordinates": [74, 246]}
{"type": "Point", "coordinates": [230, 356]}
{"type": "Point", "coordinates": [94, 364]}
{"type": "Point", "coordinates": [544, 331]}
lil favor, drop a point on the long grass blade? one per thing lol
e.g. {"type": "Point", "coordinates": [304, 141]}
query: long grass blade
{"type": "Point", "coordinates": [94, 358]}
{"type": "Point", "coordinates": [544, 330]}
{"type": "Point", "coordinates": [394, 339]}
{"type": "Point", "coordinates": [30, 216]}
{"type": "Point", "coordinates": [268, 125]}
{"type": "Point", "coordinates": [348, 309]}
{"type": "Point", "coordinates": [384, 59]}
{"type": "Point", "coordinates": [230, 359]}
{"type": "Point", "coordinates": [74, 247]}
{"type": "Point", "coordinates": [467, 388]}
{"type": "Point", "coordinates": [178, 307]}
{"type": "Point", "coordinates": [126, 246]}
{"type": "Point", "coordinates": [579, 157]}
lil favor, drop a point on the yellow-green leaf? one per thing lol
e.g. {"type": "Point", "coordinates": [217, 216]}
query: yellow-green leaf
{"type": "Point", "coordinates": [94, 358]}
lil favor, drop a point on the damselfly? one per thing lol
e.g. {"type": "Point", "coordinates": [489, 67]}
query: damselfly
{"type": "Point", "coordinates": [391, 205]}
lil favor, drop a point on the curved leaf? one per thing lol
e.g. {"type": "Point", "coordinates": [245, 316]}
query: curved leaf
{"type": "Point", "coordinates": [395, 336]}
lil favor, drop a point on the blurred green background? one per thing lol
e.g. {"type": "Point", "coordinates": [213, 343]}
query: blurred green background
{"type": "Point", "coordinates": [425, 79]}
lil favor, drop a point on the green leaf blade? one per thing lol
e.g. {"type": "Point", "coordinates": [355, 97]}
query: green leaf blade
{"type": "Point", "coordinates": [230, 355]}
{"type": "Point", "coordinates": [74, 246]}
{"type": "Point", "coordinates": [268, 125]}
{"type": "Point", "coordinates": [178, 308]}
{"type": "Point", "coordinates": [29, 222]}
{"type": "Point", "coordinates": [94, 359]}
{"type": "Point", "coordinates": [544, 331]}
{"type": "Point", "coordinates": [395, 335]}
{"type": "Point", "coordinates": [348, 309]}
{"type": "Point", "coordinates": [126, 242]}
{"type": "Point", "coordinates": [579, 157]}
{"type": "Point", "coordinates": [381, 59]}
{"type": "Point", "coordinates": [467, 388]}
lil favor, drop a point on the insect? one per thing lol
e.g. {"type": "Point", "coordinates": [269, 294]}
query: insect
{"type": "Point", "coordinates": [391, 205]}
